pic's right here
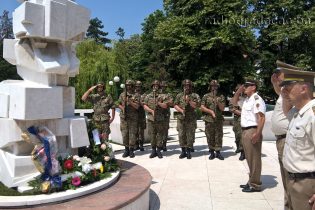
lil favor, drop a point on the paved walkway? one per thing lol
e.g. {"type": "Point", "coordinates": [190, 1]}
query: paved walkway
{"type": "Point", "coordinates": [204, 184]}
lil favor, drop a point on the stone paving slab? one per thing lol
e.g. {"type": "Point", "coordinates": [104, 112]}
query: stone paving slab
{"type": "Point", "coordinates": [206, 184]}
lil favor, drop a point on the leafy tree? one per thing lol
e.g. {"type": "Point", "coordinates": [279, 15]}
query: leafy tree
{"type": "Point", "coordinates": [287, 32]}
{"type": "Point", "coordinates": [120, 33]}
{"type": "Point", "coordinates": [95, 32]}
{"type": "Point", "coordinates": [198, 45]}
{"type": "Point", "coordinates": [96, 64]}
{"type": "Point", "coordinates": [7, 71]}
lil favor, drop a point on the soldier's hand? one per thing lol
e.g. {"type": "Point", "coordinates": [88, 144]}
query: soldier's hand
{"type": "Point", "coordinates": [255, 138]}
{"type": "Point", "coordinates": [311, 201]}
{"type": "Point", "coordinates": [275, 79]}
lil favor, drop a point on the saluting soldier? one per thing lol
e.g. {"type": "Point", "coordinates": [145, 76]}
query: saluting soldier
{"type": "Point", "coordinates": [235, 106]}
{"type": "Point", "coordinates": [141, 118]}
{"type": "Point", "coordinates": [213, 105]}
{"type": "Point", "coordinates": [168, 99]}
{"type": "Point", "coordinates": [185, 103]}
{"type": "Point", "coordinates": [129, 103]}
{"type": "Point", "coordinates": [299, 148]}
{"type": "Point", "coordinates": [102, 103]}
{"type": "Point", "coordinates": [252, 122]}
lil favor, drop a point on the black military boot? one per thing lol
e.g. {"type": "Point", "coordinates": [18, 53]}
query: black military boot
{"type": "Point", "coordinates": [153, 153]}
{"type": "Point", "coordinates": [137, 145]}
{"type": "Point", "coordinates": [242, 156]}
{"type": "Point", "coordinates": [183, 154]}
{"type": "Point", "coordinates": [218, 155]}
{"type": "Point", "coordinates": [237, 149]}
{"type": "Point", "coordinates": [158, 152]}
{"type": "Point", "coordinates": [131, 154]}
{"type": "Point", "coordinates": [164, 146]}
{"type": "Point", "coordinates": [126, 153]}
{"type": "Point", "coordinates": [211, 156]}
{"type": "Point", "coordinates": [192, 149]}
{"type": "Point", "coordinates": [188, 153]}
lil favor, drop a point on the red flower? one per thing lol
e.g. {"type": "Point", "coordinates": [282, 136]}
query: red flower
{"type": "Point", "coordinates": [68, 164]}
{"type": "Point", "coordinates": [76, 181]}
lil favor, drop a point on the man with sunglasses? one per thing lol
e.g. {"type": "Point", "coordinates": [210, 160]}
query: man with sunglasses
{"type": "Point", "coordinates": [252, 122]}
{"type": "Point", "coordinates": [299, 148]}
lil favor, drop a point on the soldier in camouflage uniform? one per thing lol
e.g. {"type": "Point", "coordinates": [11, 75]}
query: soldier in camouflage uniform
{"type": "Point", "coordinates": [141, 118]}
{"type": "Point", "coordinates": [166, 113]}
{"type": "Point", "coordinates": [153, 104]}
{"type": "Point", "coordinates": [129, 103]}
{"type": "Point", "coordinates": [213, 105]}
{"type": "Point", "coordinates": [236, 108]}
{"type": "Point", "coordinates": [102, 103]}
{"type": "Point", "coordinates": [185, 103]}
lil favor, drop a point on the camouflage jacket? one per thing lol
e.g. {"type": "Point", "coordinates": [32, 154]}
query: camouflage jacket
{"type": "Point", "coordinates": [166, 98]}
{"type": "Point", "coordinates": [190, 113]}
{"type": "Point", "coordinates": [210, 102]}
{"type": "Point", "coordinates": [129, 112]}
{"type": "Point", "coordinates": [101, 105]}
{"type": "Point", "coordinates": [141, 111]}
{"type": "Point", "coordinates": [151, 100]}
{"type": "Point", "coordinates": [238, 107]}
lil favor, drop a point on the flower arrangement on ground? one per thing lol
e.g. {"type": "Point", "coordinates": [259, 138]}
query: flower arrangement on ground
{"type": "Point", "coordinates": [63, 173]}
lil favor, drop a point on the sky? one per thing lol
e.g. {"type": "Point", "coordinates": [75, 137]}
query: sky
{"type": "Point", "coordinates": [127, 14]}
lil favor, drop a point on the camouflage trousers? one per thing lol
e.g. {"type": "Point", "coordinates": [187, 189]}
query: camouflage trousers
{"type": "Point", "coordinates": [165, 126]}
{"type": "Point", "coordinates": [214, 133]}
{"type": "Point", "coordinates": [155, 130]}
{"type": "Point", "coordinates": [186, 132]}
{"type": "Point", "coordinates": [128, 130]}
{"type": "Point", "coordinates": [103, 127]}
{"type": "Point", "coordinates": [140, 130]}
{"type": "Point", "coordinates": [238, 134]}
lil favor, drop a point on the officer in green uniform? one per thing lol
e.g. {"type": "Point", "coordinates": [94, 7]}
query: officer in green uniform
{"type": "Point", "coordinates": [102, 103]}
{"type": "Point", "coordinates": [185, 103]}
{"type": "Point", "coordinates": [141, 117]}
{"type": "Point", "coordinates": [213, 105]}
{"type": "Point", "coordinates": [235, 106]}
{"type": "Point", "coordinates": [129, 103]}
{"type": "Point", "coordinates": [168, 99]}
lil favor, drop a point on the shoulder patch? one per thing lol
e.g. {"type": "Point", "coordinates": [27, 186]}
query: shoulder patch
{"type": "Point", "coordinates": [257, 105]}
{"type": "Point", "coordinates": [256, 97]}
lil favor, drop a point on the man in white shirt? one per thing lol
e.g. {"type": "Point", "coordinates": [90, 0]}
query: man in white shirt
{"type": "Point", "coordinates": [252, 122]}
{"type": "Point", "coordinates": [299, 149]}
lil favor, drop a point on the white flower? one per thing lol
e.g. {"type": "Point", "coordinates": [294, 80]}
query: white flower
{"type": "Point", "coordinates": [97, 165]}
{"type": "Point", "coordinates": [106, 158]}
{"type": "Point", "coordinates": [84, 160]}
{"type": "Point", "coordinates": [103, 146]}
{"type": "Point", "coordinates": [76, 157]}
{"type": "Point", "coordinates": [86, 168]}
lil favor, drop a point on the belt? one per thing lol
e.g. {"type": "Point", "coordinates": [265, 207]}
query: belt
{"type": "Point", "coordinates": [246, 128]}
{"type": "Point", "coordinates": [278, 137]}
{"type": "Point", "coordinates": [301, 175]}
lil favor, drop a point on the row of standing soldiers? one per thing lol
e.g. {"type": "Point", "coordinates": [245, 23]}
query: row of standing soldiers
{"type": "Point", "coordinates": [133, 120]}
{"type": "Point", "coordinates": [157, 105]}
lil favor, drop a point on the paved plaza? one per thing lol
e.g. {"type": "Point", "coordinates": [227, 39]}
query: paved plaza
{"type": "Point", "coordinates": [204, 184]}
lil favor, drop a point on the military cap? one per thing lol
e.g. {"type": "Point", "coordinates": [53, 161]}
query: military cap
{"type": "Point", "coordinates": [250, 82]}
{"type": "Point", "coordinates": [138, 83]}
{"type": "Point", "coordinates": [214, 83]}
{"type": "Point", "coordinates": [282, 65]}
{"type": "Point", "coordinates": [186, 82]}
{"type": "Point", "coordinates": [101, 83]}
{"type": "Point", "coordinates": [293, 76]}
{"type": "Point", "coordinates": [155, 82]}
{"type": "Point", "coordinates": [130, 82]}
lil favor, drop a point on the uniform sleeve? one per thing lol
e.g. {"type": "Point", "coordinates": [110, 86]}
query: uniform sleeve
{"type": "Point", "coordinates": [120, 99]}
{"type": "Point", "coordinates": [197, 100]}
{"type": "Point", "coordinates": [313, 127]}
{"type": "Point", "coordinates": [90, 98]}
{"type": "Point", "coordinates": [259, 106]}
{"type": "Point", "coordinates": [204, 100]}
{"type": "Point", "coordinates": [146, 99]}
{"type": "Point", "coordinates": [177, 99]}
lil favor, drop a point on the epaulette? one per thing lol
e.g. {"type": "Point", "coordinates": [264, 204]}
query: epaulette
{"type": "Point", "coordinates": [313, 108]}
{"type": "Point", "coordinates": [256, 97]}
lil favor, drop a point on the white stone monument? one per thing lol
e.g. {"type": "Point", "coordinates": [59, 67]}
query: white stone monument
{"type": "Point", "coordinates": [46, 32]}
